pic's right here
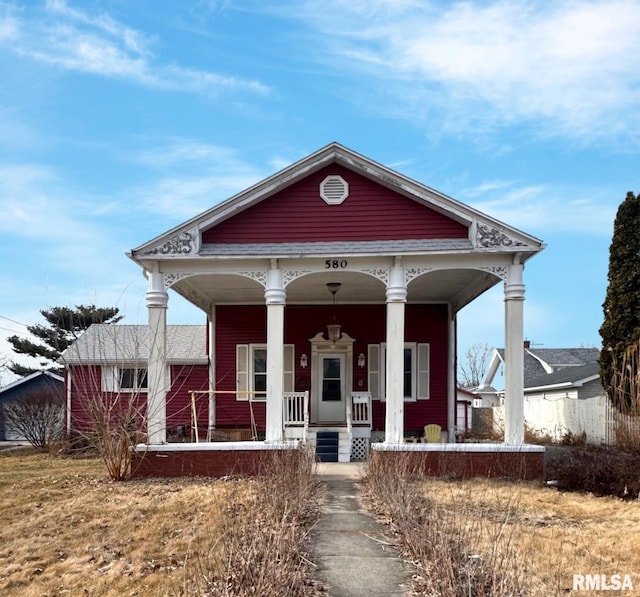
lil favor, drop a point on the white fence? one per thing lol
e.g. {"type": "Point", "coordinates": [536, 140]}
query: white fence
{"type": "Point", "coordinates": [556, 416]}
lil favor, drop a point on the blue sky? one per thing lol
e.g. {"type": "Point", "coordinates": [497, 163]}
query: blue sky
{"type": "Point", "coordinates": [120, 119]}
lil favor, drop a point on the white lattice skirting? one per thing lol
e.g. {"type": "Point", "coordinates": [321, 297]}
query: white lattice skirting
{"type": "Point", "coordinates": [359, 448]}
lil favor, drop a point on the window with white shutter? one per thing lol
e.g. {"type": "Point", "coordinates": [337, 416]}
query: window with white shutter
{"type": "Point", "coordinates": [415, 371]}
{"type": "Point", "coordinates": [251, 371]}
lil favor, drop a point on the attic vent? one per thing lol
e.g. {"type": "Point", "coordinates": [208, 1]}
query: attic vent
{"type": "Point", "coordinates": [334, 189]}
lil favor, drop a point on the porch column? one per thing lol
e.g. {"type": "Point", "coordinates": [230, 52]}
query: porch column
{"type": "Point", "coordinates": [396, 298]}
{"type": "Point", "coordinates": [452, 404]}
{"type": "Point", "coordinates": [514, 359]}
{"type": "Point", "coordinates": [157, 299]}
{"type": "Point", "coordinates": [275, 299]}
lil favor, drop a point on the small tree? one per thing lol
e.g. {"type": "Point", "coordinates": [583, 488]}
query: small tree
{"type": "Point", "coordinates": [621, 326]}
{"type": "Point", "coordinates": [37, 416]}
{"type": "Point", "coordinates": [64, 325]}
{"type": "Point", "coordinates": [473, 365]}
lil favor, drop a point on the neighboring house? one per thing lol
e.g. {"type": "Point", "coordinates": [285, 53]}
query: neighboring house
{"type": "Point", "coordinates": [465, 400]}
{"type": "Point", "coordinates": [40, 383]}
{"type": "Point", "coordinates": [562, 392]}
{"type": "Point", "coordinates": [110, 361]}
{"type": "Point", "coordinates": [331, 292]}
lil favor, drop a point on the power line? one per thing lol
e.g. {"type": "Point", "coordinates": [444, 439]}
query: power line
{"type": "Point", "coordinates": [12, 321]}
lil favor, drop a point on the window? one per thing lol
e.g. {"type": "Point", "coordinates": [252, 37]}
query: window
{"type": "Point", "coordinates": [415, 371]}
{"type": "Point", "coordinates": [124, 379]}
{"type": "Point", "coordinates": [251, 371]}
{"type": "Point", "coordinates": [259, 362]}
{"type": "Point", "coordinates": [132, 379]}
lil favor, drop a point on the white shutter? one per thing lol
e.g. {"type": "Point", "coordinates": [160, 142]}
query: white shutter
{"type": "Point", "coordinates": [288, 365]}
{"type": "Point", "coordinates": [374, 371]}
{"type": "Point", "coordinates": [242, 371]}
{"type": "Point", "coordinates": [423, 371]}
{"type": "Point", "coordinates": [110, 379]}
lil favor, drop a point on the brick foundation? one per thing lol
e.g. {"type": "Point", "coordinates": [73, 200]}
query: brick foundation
{"type": "Point", "coordinates": [515, 464]}
{"type": "Point", "coordinates": [206, 462]}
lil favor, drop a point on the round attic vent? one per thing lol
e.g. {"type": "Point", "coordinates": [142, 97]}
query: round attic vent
{"type": "Point", "coordinates": [334, 189]}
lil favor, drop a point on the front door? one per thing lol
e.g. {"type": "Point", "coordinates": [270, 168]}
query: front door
{"type": "Point", "coordinates": [331, 388]}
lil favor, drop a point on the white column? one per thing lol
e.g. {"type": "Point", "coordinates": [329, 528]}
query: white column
{"type": "Point", "coordinates": [514, 356]}
{"type": "Point", "coordinates": [452, 405]}
{"type": "Point", "coordinates": [275, 299]}
{"type": "Point", "coordinates": [157, 299]}
{"type": "Point", "coordinates": [394, 390]}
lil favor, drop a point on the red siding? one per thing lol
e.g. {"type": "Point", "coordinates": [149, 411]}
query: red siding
{"type": "Point", "coordinates": [86, 396]}
{"type": "Point", "coordinates": [365, 323]}
{"type": "Point", "coordinates": [184, 379]}
{"type": "Point", "coordinates": [237, 325]}
{"type": "Point", "coordinates": [299, 214]}
{"type": "Point", "coordinates": [87, 387]}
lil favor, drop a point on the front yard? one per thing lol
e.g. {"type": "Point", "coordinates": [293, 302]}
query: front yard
{"type": "Point", "coordinates": [68, 530]}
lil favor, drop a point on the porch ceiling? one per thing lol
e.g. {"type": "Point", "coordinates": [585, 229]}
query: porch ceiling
{"type": "Point", "coordinates": [455, 286]}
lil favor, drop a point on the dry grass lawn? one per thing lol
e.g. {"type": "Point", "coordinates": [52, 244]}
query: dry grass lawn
{"type": "Point", "coordinates": [551, 534]}
{"type": "Point", "coordinates": [68, 530]}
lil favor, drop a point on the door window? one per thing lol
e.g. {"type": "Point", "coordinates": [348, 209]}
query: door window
{"type": "Point", "coordinates": [331, 379]}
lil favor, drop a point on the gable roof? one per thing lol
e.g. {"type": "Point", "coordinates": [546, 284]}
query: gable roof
{"type": "Point", "coordinates": [542, 363]}
{"type": "Point", "coordinates": [37, 378]}
{"type": "Point", "coordinates": [113, 343]}
{"type": "Point", "coordinates": [567, 377]}
{"type": "Point", "coordinates": [485, 231]}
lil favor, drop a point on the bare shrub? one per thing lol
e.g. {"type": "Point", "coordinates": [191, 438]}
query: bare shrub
{"type": "Point", "coordinates": [456, 551]}
{"type": "Point", "coordinates": [37, 416]}
{"type": "Point", "coordinates": [601, 471]}
{"type": "Point", "coordinates": [116, 425]}
{"type": "Point", "coordinates": [259, 550]}
{"type": "Point", "coordinates": [537, 436]}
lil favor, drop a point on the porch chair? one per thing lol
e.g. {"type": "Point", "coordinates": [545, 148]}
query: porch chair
{"type": "Point", "coordinates": [432, 433]}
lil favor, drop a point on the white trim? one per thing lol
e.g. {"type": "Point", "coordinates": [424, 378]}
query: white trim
{"type": "Point", "coordinates": [219, 447]}
{"type": "Point", "coordinates": [29, 377]}
{"type": "Point", "coordinates": [373, 371]}
{"type": "Point", "coordinates": [68, 382]}
{"type": "Point", "coordinates": [245, 362]}
{"type": "Point", "coordinates": [485, 447]}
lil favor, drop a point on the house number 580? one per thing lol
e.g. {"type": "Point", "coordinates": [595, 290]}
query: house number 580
{"type": "Point", "coordinates": [335, 264]}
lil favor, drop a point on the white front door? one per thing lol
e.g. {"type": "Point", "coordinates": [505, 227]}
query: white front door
{"type": "Point", "coordinates": [331, 388]}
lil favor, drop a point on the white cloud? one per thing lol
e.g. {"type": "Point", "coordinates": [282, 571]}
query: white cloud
{"type": "Point", "coordinates": [538, 208]}
{"type": "Point", "coordinates": [73, 40]}
{"type": "Point", "coordinates": [195, 176]}
{"type": "Point", "coordinates": [566, 67]}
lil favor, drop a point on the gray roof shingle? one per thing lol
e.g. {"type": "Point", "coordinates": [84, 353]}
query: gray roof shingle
{"type": "Point", "coordinates": [567, 375]}
{"type": "Point", "coordinates": [557, 358]}
{"type": "Point", "coordinates": [114, 343]}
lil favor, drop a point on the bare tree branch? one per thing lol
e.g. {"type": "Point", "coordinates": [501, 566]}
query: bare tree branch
{"type": "Point", "coordinates": [474, 363]}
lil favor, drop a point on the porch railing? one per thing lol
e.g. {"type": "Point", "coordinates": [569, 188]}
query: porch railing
{"type": "Point", "coordinates": [359, 409]}
{"type": "Point", "coordinates": [296, 410]}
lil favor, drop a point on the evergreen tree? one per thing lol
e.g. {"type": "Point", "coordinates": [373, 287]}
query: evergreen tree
{"type": "Point", "coordinates": [621, 327]}
{"type": "Point", "coordinates": [64, 326]}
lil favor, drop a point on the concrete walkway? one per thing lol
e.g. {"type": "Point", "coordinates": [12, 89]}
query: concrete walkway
{"type": "Point", "coordinates": [352, 555]}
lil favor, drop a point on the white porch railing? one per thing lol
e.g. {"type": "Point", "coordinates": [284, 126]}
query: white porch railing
{"type": "Point", "coordinates": [359, 409]}
{"type": "Point", "coordinates": [296, 410]}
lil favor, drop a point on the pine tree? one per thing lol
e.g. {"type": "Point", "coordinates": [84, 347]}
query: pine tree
{"type": "Point", "coordinates": [621, 327]}
{"type": "Point", "coordinates": [64, 326]}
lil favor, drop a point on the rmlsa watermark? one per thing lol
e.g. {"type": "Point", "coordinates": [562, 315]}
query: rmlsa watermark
{"type": "Point", "coordinates": [602, 582]}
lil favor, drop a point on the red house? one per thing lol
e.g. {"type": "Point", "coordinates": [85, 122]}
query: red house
{"type": "Point", "coordinates": [330, 292]}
